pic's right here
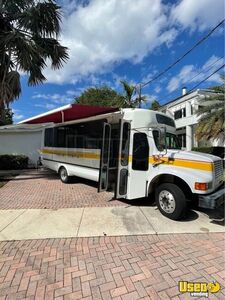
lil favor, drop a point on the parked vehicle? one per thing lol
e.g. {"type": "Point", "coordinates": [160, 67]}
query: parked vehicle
{"type": "Point", "coordinates": [135, 153]}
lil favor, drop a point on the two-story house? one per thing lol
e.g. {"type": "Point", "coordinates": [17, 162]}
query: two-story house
{"type": "Point", "coordinates": [184, 110]}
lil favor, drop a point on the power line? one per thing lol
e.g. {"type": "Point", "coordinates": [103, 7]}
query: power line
{"type": "Point", "coordinates": [202, 71]}
{"type": "Point", "coordinates": [185, 54]}
{"type": "Point", "coordinates": [208, 69]}
{"type": "Point", "coordinates": [217, 70]}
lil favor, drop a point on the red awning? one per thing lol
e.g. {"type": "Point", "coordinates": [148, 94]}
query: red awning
{"type": "Point", "coordinates": [75, 112]}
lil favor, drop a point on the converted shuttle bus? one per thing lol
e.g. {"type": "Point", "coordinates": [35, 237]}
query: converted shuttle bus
{"type": "Point", "coordinates": [134, 153]}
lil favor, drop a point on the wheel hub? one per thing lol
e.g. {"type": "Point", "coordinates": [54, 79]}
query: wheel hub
{"type": "Point", "coordinates": [167, 201]}
{"type": "Point", "coordinates": [63, 174]}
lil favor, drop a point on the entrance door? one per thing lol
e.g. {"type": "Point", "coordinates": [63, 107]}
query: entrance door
{"type": "Point", "coordinates": [104, 161]}
{"type": "Point", "coordinates": [123, 161]}
{"type": "Point", "coordinates": [139, 166]}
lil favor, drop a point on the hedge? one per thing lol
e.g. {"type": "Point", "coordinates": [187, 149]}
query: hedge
{"type": "Point", "coordinates": [13, 162]}
{"type": "Point", "coordinates": [218, 151]}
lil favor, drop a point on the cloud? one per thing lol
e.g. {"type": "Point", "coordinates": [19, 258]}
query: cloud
{"type": "Point", "coordinates": [103, 33]}
{"type": "Point", "coordinates": [157, 89]}
{"type": "Point", "coordinates": [190, 74]}
{"type": "Point", "coordinates": [198, 14]}
{"type": "Point", "coordinates": [17, 116]}
{"type": "Point", "coordinates": [56, 98]}
{"type": "Point", "coordinates": [48, 106]}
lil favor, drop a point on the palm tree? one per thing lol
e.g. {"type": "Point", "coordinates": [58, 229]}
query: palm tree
{"type": "Point", "coordinates": [212, 111]}
{"type": "Point", "coordinates": [129, 93]}
{"type": "Point", "coordinates": [155, 105]}
{"type": "Point", "coordinates": [29, 31]}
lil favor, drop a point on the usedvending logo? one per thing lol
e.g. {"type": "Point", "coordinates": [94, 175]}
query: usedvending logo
{"type": "Point", "coordinates": [199, 289]}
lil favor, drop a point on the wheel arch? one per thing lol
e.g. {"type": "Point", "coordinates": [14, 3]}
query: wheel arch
{"type": "Point", "coordinates": [169, 178]}
{"type": "Point", "coordinates": [60, 167]}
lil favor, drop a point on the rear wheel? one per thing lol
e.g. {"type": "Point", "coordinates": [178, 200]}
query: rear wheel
{"type": "Point", "coordinates": [171, 201]}
{"type": "Point", "coordinates": [64, 175]}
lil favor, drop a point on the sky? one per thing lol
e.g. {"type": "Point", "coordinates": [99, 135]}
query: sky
{"type": "Point", "coordinates": [132, 40]}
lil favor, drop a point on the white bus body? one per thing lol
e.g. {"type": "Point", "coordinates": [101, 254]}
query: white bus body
{"type": "Point", "coordinates": [124, 152]}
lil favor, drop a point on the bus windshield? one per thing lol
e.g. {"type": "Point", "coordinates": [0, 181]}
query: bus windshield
{"type": "Point", "coordinates": [171, 140]}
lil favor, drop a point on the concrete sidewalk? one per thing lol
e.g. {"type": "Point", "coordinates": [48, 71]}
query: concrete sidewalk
{"type": "Point", "coordinates": [26, 224]}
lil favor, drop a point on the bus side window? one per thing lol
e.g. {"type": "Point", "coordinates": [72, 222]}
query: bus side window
{"type": "Point", "coordinates": [140, 152]}
{"type": "Point", "coordinates": [49, 137]}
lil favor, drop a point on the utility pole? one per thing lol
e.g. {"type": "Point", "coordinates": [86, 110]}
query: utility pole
{"type": "Point", "coordinates": [139, 96]}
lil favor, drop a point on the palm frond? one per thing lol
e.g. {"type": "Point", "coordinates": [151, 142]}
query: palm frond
{"type": "Point", "coordinates": [42, 19]}
{"type": "Point", "coordinates": [13, 80]}
{"type": "Point", "coordinates": [129, 89]}
{"type": "Point", "coordinates": [212, 112]}
{"type": "Point", "coordinates": [35, 75]}
{"type": "Point", "coordinates": [23, 24]}
{"type": "Point", "coordinates": [10, 88]}
{"type": "Point", "coordinates": [13, 8]}
{"type": "Point", "coordinates": [50, 48]}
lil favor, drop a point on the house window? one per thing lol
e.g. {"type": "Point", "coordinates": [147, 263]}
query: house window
{"type": "Point", "coordinates": [178, 114]}
{"type": "Point", "coordinates": [181, 113]}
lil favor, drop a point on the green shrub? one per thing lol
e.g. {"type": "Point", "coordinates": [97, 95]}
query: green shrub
{"type": "Point", "coordinates": [13, 162]}
{"type": "Point", "coordinates": [208, 150]}
{"type": "Point", "coordinates": [218, 151]}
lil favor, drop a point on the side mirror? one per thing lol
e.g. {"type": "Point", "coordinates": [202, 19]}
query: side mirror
{"type": "Point", "coordinates": [162, 139]}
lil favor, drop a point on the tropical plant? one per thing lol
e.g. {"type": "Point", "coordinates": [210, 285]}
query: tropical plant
{"type": "Point", "coordinates": [100, 96]}
{"type": "Point", "coordinates": [129, 91]}
{"type": "Point", "coordinates": [155, 105]}
{"type": "Point", "coordinates": [129, 95]}
{"type": "Point", "coordinates": [6, 116]}
{"type": "Point", "coordinates": [29, 31]}
{"type": "Point", "coordinates": [212, 111]}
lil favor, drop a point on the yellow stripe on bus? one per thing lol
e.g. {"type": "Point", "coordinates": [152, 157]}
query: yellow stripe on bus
{"type": "Point", "coordinates": [184, 163]}
{"type": "Point", "coordinates": [76, 154]}
{"type": "Point", "coordinates": [191, 164]}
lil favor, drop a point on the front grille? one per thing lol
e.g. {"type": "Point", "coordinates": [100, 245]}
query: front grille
{"type": "Point", "coordinates": [218, 169]}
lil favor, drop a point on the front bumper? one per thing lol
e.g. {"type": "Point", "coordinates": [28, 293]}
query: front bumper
{"type": "Point", "coordinates": [212, 200]}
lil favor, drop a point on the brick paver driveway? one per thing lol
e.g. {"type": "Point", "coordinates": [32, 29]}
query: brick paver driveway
{"type": "Point", "coordinates": [43, 189]}
{"type": "Point", "coordinates": [143, 267]}
{"type": "Point", "coordinates": [125, 267]}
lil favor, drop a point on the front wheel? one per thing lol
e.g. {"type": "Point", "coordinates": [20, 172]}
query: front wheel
{"type": "Point", "coordinates": [64, 175]}
{"type": "Point", "coordinates": [171, 201]}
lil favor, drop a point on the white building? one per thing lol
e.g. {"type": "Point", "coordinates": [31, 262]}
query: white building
{"type": "Point", "coordinates": [184, 110]}
{"type": "Point", "coordinates": [22, 139]}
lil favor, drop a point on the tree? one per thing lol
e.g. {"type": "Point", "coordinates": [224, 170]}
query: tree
{"type": "Point", "coordinates": [6, 117]}
{"type": "Point", "coordinates": [212, 111]}
{"type": "Point", "coordinates": [29, 32]}
{"type": "Point", "coordinates": [100, 96]}
{"type": "Point", "coordinates": [129, 92]}
{"type": "Point", "coordinates": [155, 105]}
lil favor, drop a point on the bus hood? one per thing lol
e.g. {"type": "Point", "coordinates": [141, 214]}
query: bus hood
{"type": "Point", "coordinates": [191, 155]}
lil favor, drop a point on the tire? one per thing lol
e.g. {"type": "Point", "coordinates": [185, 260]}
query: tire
{"type": "Point", "coordinates": [171, 201]}
{"type": "Point", "coordinates": [64, 175]}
